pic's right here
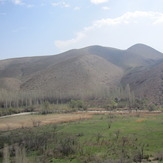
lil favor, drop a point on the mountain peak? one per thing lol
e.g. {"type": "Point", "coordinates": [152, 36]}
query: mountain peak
{"type": "Point", "coordinates": [139, 46]}
{"type": "Point", "coordinates": [145, 51]}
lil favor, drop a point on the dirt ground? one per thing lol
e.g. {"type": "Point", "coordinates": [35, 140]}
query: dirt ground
{"type": "Point", "coordinates": [14, 122]}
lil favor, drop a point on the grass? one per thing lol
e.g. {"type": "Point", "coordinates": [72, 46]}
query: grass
{"type": "Point", "coordinates": [102, 137]}
{"type": "Point", "coordinates": [147, 129]}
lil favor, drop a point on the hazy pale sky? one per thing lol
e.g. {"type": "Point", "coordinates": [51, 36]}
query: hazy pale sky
{"type": "Point", "coordinates": [47, 27]}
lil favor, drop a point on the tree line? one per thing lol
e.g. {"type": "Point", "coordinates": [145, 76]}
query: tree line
{"type": "Point", "coordinates": [118, 97]}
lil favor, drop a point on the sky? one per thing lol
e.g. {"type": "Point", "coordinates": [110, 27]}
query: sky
{"type": "Point", "coordinates": [48, 27]}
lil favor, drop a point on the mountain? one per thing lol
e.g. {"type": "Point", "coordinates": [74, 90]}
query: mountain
{"type": "Point", "coordinates": [145, 51]}
{"type": "Point", "coordinates": [87, 71]}
{"type": "Point", "coordinates": [147, 82]}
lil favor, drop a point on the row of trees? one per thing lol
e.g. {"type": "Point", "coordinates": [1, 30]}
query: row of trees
{"type": "Point", "coordinates": [118, 97]}
{"type": "Point", "coordinates": [9, 99]}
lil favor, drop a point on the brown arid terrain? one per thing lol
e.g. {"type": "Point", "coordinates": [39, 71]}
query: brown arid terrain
{"type": "Point", "coordinates": [24, 121]}
{"type": "Point", "coordinates": [86, 72]}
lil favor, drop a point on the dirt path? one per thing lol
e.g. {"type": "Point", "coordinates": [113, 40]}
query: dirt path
{"type": "Point", "coordinates": [19, 114]}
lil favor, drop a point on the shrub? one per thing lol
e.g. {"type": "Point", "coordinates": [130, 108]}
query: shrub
{"type": "Point", "coordinates": [46, 108]}
{"type": "Point", "coordinates": [159, 156]}
{"type": "Point", "coordinates": [76, 104]}
{"type": "Point", "coordinates": [67, 146]}
{"type": "Point", "coordinates": [152, 107]}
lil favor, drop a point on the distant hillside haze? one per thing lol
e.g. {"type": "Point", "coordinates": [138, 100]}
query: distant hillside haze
{"type": "Point", "coordinates": [87, 71]}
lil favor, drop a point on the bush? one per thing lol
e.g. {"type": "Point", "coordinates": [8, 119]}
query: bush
{"type": "Point", "coordinates": [67, 146]}
{"type": "Point", "coordinates": [152, 107]}
{"type": "Point", "coordinates": [46, 108]}
{"type": "Point", "coordinates": [159, 156]}
{"type": "Point", "coordinates": [29, 109]}
{"type": "Point", "coordinates": [76, 104]}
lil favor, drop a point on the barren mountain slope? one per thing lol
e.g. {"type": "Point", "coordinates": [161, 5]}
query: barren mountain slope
{"type": "Point", "coordinates": [147, 82]}
{"type": "Point", "coordinates": [84, 74]}
{"type": "Point", "coordinates": [135, 56]}
{"type": "Point", "coordinates": [86, 71]}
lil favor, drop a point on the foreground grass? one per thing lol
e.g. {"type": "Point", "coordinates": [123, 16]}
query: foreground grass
{"type": "Point", "coordinates": [146, 129]}
{"type": "Point", "coordinates": [104, 137]}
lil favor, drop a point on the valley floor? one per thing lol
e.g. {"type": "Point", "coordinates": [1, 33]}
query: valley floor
{"type": "Point", "coordinates": [86, 137]}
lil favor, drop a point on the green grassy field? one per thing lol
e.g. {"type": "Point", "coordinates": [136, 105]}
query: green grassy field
{"type": "Point", "coordinates": [125, 138]}
{"type": "Point", "coordinates": [145, 132]}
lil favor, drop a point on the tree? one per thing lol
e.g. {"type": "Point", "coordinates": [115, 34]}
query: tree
{"type": "Point", "coordinates": [45, 108]}
{"type": "Point", "coordinates": [20, 155]}
{"type": "Point", "coordinates": [130, 97]}
{"type": "Point", "coordinates": [113, 104]}
{"type": "Point", "coordinates": [6, 154]}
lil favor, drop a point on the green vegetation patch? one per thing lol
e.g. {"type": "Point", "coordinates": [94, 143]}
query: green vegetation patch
{"type": "Point", "coordinates": [126, 138]}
